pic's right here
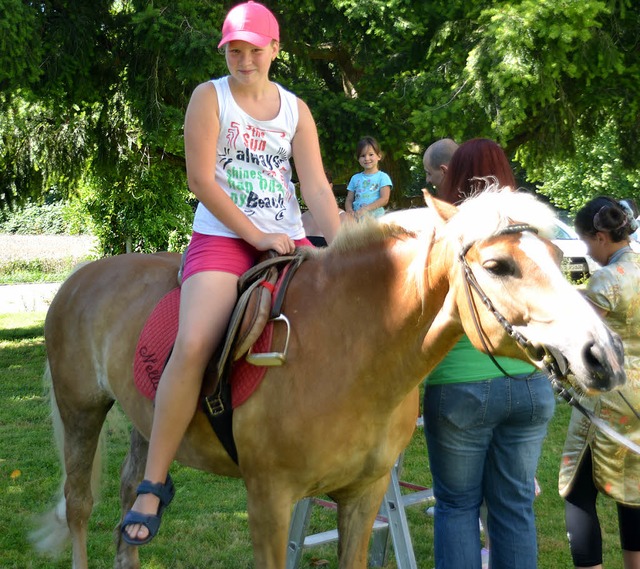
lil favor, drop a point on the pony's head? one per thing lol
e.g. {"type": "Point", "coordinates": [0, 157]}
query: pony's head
{"type": "Point", "coordinates": [506, 290]}
{"type": "Point", "coordinates": [508, 286]}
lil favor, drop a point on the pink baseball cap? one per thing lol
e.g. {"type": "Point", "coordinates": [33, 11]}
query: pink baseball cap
{"type": "Point", "coordinates": [251, 22]}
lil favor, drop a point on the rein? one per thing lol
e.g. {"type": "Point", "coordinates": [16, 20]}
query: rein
{"type": "Point", "coordinates": [549, 362]}
{"type": "Point", "coordinates": [603, 426]}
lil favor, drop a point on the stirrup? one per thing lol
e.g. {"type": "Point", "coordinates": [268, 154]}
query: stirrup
{"type": "Point", "coordinates": [271, 358]}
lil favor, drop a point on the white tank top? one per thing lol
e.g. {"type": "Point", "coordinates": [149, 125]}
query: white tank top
{"type": "Point", "coordinates": [253, 167]}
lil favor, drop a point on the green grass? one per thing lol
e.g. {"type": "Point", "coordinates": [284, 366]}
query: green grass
{"type": "Point", "coordinates": [207, 523]}
{"type": "Point", "coordinates": [36, 270]}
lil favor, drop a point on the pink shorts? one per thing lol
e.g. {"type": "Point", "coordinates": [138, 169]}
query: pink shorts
{"type": "Point", "coordinates": [225, 254]}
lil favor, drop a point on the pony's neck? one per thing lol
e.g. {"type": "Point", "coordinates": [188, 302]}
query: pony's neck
{"type": "Point", "coordinates": [423, 330]}
{"type": "Point", "coordinates": [443, 334]}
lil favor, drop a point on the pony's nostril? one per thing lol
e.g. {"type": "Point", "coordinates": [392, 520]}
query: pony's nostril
{"type": "Point", "coordinates": [592, 357]}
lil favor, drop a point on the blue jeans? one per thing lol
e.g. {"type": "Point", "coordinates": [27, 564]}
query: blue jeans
{"type": "Point", "coordinates": [484, 440]}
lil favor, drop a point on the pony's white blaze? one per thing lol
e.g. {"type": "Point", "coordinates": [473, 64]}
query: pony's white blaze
{"type": "Point", "coordinates": [537, 251]}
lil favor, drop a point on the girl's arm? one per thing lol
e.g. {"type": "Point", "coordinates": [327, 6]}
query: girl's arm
{"type": "Point", "coordinates": [201, 130]}
{"type": "Point", "coordinates": [348, 202]}
{"type": "Point", "coordinates": [314, 185]}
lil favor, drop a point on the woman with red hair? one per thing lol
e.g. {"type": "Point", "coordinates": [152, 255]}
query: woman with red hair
{"type": "Point", "coordinates": [475, 164]}
{"type": "Point", "coordinates": [484, 425]}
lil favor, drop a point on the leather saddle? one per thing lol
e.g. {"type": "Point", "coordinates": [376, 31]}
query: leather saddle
{"type": "Point", "coordinates": [255, 307]}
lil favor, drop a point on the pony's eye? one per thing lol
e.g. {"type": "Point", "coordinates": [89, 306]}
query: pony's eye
{"type": "Point", "coordinates": [500, 267]}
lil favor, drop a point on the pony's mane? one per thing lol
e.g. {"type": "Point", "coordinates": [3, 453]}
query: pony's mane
{"type": "Point", "coordinates": [478, 217]}
{"type": "Point", "coordinates": [354, 236]}
{"type": "Point", "coordinates": [490, 211]}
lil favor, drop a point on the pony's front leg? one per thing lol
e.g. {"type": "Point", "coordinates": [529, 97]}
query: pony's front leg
{"type": "Point", "coordinates": [356, 515]}
{"type": "Point", "coordinates": [269, 507]}
{"type": "Point", "coordinates": [130, 476]}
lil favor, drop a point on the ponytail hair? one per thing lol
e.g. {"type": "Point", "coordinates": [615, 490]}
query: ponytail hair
{"type": "Point", "coordinates": [605, 214]}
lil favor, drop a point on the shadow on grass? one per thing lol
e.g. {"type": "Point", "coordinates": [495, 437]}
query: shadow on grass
{"type": "Point", "coordinates": [16, 327]}
{"type": "Point", "coordinates": [21, 333]}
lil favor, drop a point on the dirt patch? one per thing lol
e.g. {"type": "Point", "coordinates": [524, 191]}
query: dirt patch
{"type": "Point", "coordinates": [55, 248]}
{"type": "Point", "coordinates": [27, 297]}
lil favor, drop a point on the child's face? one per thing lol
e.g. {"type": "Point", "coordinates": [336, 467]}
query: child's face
{"type": "Point", "coordinates": [247, 62]}
{"type": "Point", "coordinates": [368, 159]}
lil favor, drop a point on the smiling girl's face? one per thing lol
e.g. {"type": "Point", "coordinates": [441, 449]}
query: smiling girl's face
{"type": "Point", "coordinates": [369, 159]}
{"type": "Point", "coordinates": [248, 62]}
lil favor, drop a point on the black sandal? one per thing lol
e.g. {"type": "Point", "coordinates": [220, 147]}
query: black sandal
{"type": "Point", "coordinates": [165, 493]}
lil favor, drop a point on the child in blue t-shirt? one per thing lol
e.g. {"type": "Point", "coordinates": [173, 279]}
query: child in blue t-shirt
{"type": "Point", "coordinates": [368, 191]}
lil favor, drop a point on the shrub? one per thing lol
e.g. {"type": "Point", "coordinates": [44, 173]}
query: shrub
{"type": "Point", "coordinates": [58, 218]}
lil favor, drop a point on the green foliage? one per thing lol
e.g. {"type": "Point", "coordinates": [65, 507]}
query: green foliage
{"type": "Point", "coordinates": [36, 270]}
{"type": "Point", "coordinates": [526, 52]}
{"type": "Point", "coordinates": [173, 48]}
{"type": "Point", "coordinates": [96, 92]}
{"type": "Point", "coordinates": [540, 77]}
{"type": "Point", "coordinates": [106, 115]}
{"type": "Point", "coordinates": [47, 219]}
{"type": "Point", "coordinates": [597, 169]}
{"type": "Point", "coordinates": [19, 55]}
{"type": "Point", "coordinates": [149, 212]}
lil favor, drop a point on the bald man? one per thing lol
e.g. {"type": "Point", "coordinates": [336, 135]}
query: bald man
{"type": "Point", "coordinates": [436, 161]}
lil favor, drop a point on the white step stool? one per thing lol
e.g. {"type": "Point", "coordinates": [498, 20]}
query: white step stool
{"type": "Point", "coordinates": [391, 519]}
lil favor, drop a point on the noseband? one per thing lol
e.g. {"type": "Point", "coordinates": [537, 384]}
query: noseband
{"type": "Point", "coordinates": [537, 354]}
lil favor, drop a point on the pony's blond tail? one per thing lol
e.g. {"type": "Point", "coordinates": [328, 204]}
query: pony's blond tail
{"type": "Point", "coordinates": [52, 532]}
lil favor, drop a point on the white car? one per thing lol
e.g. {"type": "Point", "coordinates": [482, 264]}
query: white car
{"type": "Point", "coordinates": [576, 263]}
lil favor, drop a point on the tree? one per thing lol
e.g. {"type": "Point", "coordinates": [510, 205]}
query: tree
{"type": "Point", "coordinates": [103, 109]}
{"type": "Point", "coordinates": [596, 169]}
{"type": "Point", "coordinates": [97, 91]}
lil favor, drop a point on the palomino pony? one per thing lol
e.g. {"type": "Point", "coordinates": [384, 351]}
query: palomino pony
{"type": "Point", "coordinates": [334, 418]}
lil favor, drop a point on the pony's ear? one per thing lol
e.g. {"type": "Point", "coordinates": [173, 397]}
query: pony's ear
{"type": "Point", "coordinates": [444, 210]}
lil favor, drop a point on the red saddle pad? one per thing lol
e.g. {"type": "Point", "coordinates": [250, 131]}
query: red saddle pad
{"type": "Point", "coordinates": [157, 339]}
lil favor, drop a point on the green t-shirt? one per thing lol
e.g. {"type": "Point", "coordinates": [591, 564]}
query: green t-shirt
{"type": "Point", "coordinates": [464, 364]}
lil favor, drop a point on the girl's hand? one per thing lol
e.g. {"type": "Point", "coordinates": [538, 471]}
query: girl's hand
{"type": "Point", "coordinates": [279, 242]}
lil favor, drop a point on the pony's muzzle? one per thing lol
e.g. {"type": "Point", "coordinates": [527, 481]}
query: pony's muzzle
{"type": "Point", "coordinates": [605, 363]}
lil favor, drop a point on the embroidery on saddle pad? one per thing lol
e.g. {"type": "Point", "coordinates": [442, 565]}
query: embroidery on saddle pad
{"type": "Point", "coordinates": [157, 339]}
{"type": "Point", "coordinates": [155, 343]}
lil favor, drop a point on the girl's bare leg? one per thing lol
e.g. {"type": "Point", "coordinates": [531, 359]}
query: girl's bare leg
{"type": "Point", "coordinates": [206, 302]}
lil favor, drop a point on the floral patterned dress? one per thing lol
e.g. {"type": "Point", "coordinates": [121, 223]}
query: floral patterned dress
{"type": "Point", "coordinates": [616, 470]}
